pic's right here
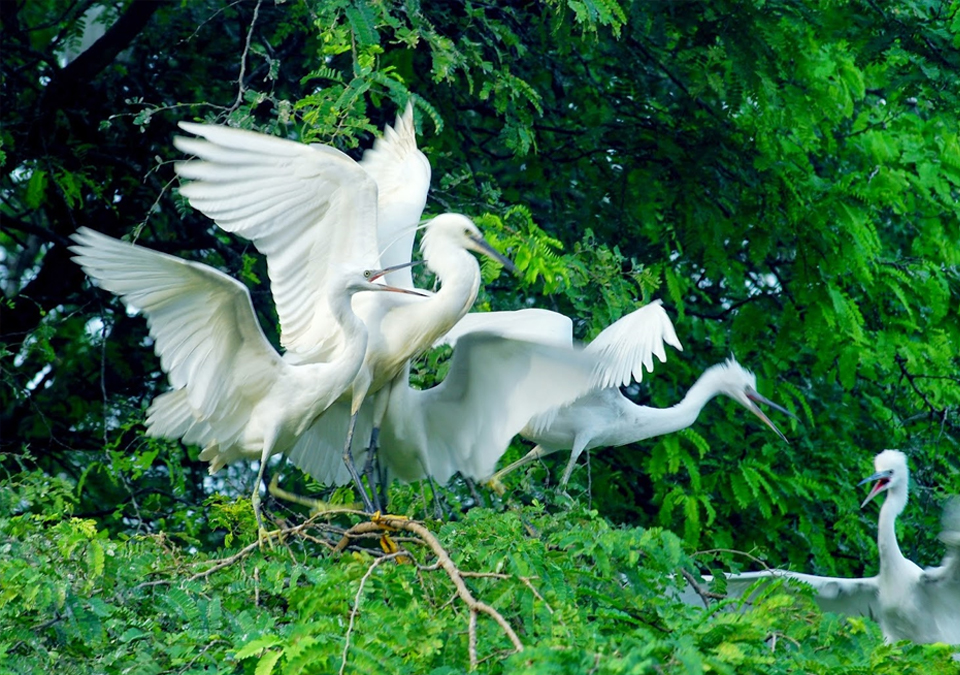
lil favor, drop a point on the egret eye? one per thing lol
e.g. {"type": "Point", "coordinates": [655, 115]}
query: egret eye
{"type": "Point", "coordinates": [467, 231]}
{"type": "Point", "coordinates": [367, 274]}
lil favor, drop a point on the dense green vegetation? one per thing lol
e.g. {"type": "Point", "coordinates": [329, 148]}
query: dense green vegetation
{"type": "Point", "coordinates": [785, 175]}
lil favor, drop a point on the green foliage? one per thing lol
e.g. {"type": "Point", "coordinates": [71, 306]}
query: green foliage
{"type": "Point", "coordinates": [579, 592]}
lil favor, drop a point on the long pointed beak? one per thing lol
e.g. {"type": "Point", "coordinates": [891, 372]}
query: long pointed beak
{"type": "Point", "coordinates": [483, 246]}
{"type": "Point", "coordinates": [376, 274]}
{"type": "Point", "coordinates": [883, 480]}
{"type": "Point", "coordinates": [373, 275]}
{"type": "Point", "coordinates": [755, 397]}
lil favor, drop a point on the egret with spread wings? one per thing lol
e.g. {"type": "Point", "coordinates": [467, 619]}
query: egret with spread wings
{"type": "Point", "coordinates": [604, 417]}
{"type": "Point", "coordinates": [908, 601]}
{"type": "Point", "coordinates": [311, 207]}
{"type": "Point", "coordinates": [233, 394]}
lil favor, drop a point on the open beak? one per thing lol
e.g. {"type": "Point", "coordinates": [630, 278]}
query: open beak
{"type": "Point", "coordinates": [376, 274]}
{"type": "Point", "coordinates": [754, 397]}
{"type": "Point", "coordinates": [484, 247]}
{"type": "Point", "coordinates": [883, 480]}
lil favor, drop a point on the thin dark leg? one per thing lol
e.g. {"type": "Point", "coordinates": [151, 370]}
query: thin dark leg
{"type": "Point", "coordinates": [351, 467]}
{"type": "Point", "coordinates": [383, 480]}
{"type": "Point", "coordinates": [371, 471]}
{"type": "Point", "coordinates": [477, 497]}
{"type": "Point", "coordinates": [439, 511]}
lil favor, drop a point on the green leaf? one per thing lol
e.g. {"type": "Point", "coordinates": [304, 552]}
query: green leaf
{"type": "Point", "coordinates": [267, 662]}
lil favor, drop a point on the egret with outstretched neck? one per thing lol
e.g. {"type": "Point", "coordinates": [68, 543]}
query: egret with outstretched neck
{"type": "Point", "coordinates": [604, 417]}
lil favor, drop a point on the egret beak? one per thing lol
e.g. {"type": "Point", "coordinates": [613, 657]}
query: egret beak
{"type": "Point", "coordinates": [373, 275]}
{"type": "Point", "coordinates": [376, 274]}
{"type": "Point", "coordinates": [883, 481]}
{"type": "Point", "coordinates": [754, 397]}
{"type": "Point", "coordinates": [484, 247]}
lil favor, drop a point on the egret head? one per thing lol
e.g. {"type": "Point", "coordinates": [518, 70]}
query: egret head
{"type": "Point", "coordinates": [891, 474]}
{"type": "Point", "coordinates": [356, 281]}
{"type": "Point", "coordinates": [741, 385]}
{"type": "Point", "coordinates": [460, 231]}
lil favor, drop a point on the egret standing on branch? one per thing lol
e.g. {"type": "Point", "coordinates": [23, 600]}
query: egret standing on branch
{"type": "Point", "coordinates": [233, 394]}
{"type": "Point", "coordinates": [909, 602]}
{"type": "Point", "coordinates": [307, 207]}
{"type": "Point", "coordinates": [604, 417]}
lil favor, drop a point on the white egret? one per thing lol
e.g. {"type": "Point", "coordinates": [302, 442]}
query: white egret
{"type": "Point", "coordinates": [604, 417]}
{"type": "Point", "coordinates": [309, 206]}
{"type": "Point", "coordinates": [494, 385]}
{"type": "Point", "coordinates": [909, 602]}
{"type": "Point", "coordinates": [233, 394]}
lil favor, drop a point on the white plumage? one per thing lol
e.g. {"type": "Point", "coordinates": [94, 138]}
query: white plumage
{"type": "Point", "coordinates": [233, 394]}
{"type": "Point", "coordinates": [909, 602]}
{"type": "Point", "coordinates": [604, 417]}
{"type": "Point", "coordinates": [309, 207]}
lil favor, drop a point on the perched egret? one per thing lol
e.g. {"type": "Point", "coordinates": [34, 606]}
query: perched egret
{"type": "Point", "coordinates": [232, 392]}
{"type": "Point", "coordinates": [909, 602]}
{"type": "Point", "coordinates": [307, 207]}
{"type": "Point", "coordinates": [604, 417]}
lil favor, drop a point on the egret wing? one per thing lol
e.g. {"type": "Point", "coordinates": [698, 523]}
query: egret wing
{"type": "Point", "coordinates": [307, 208]}
{"type": "Point", "coordinates": [940, 586]}
{"type": "Point", "coordinates": [402, 174]}
{"type": "Point", "coordinates": [852, 597]}
{"type": "Point", "coordinates": [202, 321]}
{"type": "Point", "coordinates": [535, 325]}
{"type": "Point", "coordinates": [493, 388]}
{"type": "Point", "coordinates": [628, 346]}
{"type": "Point", "coordinates": [318, 451]}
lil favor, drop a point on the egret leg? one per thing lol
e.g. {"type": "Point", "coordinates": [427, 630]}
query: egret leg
{"type": "Point", "coordinates": [532, 456]}
{"type": "Point", "coordinates": [383, 480]}
{"type": "Point", "coordinates": [380, 403]}
{"type": "Point", "coordinates": [351, 467]}
{"type": "Point", "coordinates": [438, 511]}
{"type": "Point", "coordinates": [371, 469]}
{"type": "Point", "coordinates": [575, 453]}
{"type": "Point", "coordinates": [477, 497]}
{"type": "Point", "coordinates": [262, 532]}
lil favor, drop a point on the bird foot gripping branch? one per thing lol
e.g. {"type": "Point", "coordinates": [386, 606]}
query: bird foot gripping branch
{"type": "Point", "coordinates": [387, 543]}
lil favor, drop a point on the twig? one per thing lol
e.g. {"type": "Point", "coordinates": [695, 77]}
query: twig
{"type": "Point", "coordinates": [526, 581]}
{"type": "Point", "coordinates": [387, 523]}
{"type": "Point", "coordinates": [243, 57]}
{"type": "Point", "coordinates": [704, 594]}
{"type": "Point", "coordinates": [755, 559]}
{"type": "Point", "coordinates": [472, 639]}
{"type": "Point", "coordinates": [356, 603]}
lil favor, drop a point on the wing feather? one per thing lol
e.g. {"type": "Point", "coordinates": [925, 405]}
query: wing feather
{"type": "Point", "coordinates": [852, 597]}
{"type": "Point", "coordinates": [202, 322]}
{"type": "Point", "coordinates": [402, 174]}
{"type": "Point", "coordinates": [493, 388]}
{"type": "Point", "coordinates": [628, 346]}
{"type": "Point", "coordinates": [307, 208]}
{"type": "Point", "coordinates": [536, 325]}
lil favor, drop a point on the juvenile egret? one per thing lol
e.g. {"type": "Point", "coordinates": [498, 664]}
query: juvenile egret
{"type": "Point", "coordinates": [232, 393]}
{"type": "Point", "coordinates": [604, 417]}
{"type": "Point", "coordinates": [307, 207]}
{"type": "Point", "coordinates": [910, 603]}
